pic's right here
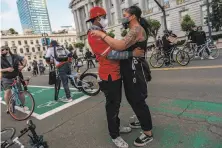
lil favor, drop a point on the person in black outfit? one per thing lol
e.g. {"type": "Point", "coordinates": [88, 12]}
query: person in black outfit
{"type": "Point", "coordinates": [192, 34]}
{"type": "Point", "coordinates": [88, 57]}
{"type": "Point", "coordinates": [201, 40]}
{"type": "Point", "coordinates": [167, 45]}
{"type": "Point", "coordinates": [133, 72]}
{"type": "Point", "coordinates": [35, 68]}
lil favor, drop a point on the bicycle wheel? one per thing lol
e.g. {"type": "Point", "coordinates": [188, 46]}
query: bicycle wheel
{"type": "Point", "coordinates": [6, 134]}
{"type": "Point", "coordinates": [57, 88]}
{"type": "Point", "coordinates": [190, 51]}
{"type": "Point", "coordinates": [156, 60]}
{"type": "Point", "coordinates": [90, 86]}
{"type": "Point", "coordinates": [214, 51]}
{"type": "Point", "coordinates": [21, 105]}
{"type": "Point", "coordinates": [182, 58]}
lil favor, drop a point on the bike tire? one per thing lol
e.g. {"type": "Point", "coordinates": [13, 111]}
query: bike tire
{"type": "Point", "coordinates": [183, 53]}
{"type": "Point", "coordinates": [84, 90]}
{"type": "Point", "coordinates": [32, 101]}
{"type": "Point", "coordinates": [156, 57]}
{"type": "Point", "coordinates": [214, 51]}
{"type": "Point", "coordinates": [190, 51]}
{"type": "Point", "coordinates": [57, 88]}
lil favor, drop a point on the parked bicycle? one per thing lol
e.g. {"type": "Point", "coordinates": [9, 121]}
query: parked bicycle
{"type": "Point", "coordinates": [192, 49]}
{"type": "Point", "coordinates": [81, 83]}
{"type": "Point", "coordinates": [8, 140]}
{"type": "Point", "coordinates": [21, 103]}
{"type": "Point", "coordinates": [158, 59]}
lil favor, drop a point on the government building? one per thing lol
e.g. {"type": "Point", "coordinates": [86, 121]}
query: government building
{"type": "Point", "coordinates": [30, 46]}
{"type": "Point", "coordinates": [175, 10]}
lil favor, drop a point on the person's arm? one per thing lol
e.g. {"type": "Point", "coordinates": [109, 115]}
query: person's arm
{"type": "Point", "coordinates": [119, 45]}
{"type": "Point", "coordinates": [5, 70]}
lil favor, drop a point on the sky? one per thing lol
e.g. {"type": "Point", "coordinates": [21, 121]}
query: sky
{"type": "Point", "coordinates": [59, 14]}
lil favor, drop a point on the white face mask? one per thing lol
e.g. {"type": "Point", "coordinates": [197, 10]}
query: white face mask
{"type": "Point", "coordinates": [103, 22]}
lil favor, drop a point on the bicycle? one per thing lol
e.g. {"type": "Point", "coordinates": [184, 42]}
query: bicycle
{"type": "Point", "coordinates": [17, 107]}
{"type": "Point", "coordinates": [36, 141]}
{"type": "Point", "coordinates": [193, 51]}
{"type": "Point", "coordinates": [80, 83]}
{"type": "Point", "coordinates": [158, 59]}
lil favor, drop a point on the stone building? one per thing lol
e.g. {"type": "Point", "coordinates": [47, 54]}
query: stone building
{"type": "Point", "coordinates": [30, 46]}
{"type": "Point", "coordinates": [175, 10]}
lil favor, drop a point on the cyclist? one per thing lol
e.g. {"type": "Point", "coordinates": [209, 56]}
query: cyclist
{"type": "Point", "coordinates": [10, 67]}
{"type": "Point", "coordinates": [201, 40]}
{"type": "Point", "coordinates": [64, 67]}
{"type": "Point", "coordinates": [132, 70]}
{"type": "Point", "coordinates": [88, 57]}
{"type": "Point", "coordinates": [168, 40]}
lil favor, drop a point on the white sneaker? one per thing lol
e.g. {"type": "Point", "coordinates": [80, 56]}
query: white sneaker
{"type": "Point", "coordinates": [210, 58]}
{"type": "Point", "coordinates": [120, 143]}
{"type": "Point", "coordinates": [66, 100]}
{"type": "Point", "coordinates": [201, 58]}
{"type": "Point", "coordinates": [125, 130]}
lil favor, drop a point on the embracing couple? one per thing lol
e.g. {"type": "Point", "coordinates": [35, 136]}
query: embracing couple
{"type": "Point", "coordinates": [123, 61]}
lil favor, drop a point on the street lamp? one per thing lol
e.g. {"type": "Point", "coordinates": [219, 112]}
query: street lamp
{"type": "Point", "coordinates": [208, 18]}
{"type": "Point", "coordinates": [164, 13]}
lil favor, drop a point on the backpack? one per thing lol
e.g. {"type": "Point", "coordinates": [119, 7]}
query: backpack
{"type": "Point", "coordinates": [60, 54]}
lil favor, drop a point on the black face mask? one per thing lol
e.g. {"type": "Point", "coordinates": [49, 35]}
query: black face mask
{"type": "Point", "coordinates": [4, 55]}
{"type": "Point", "coordinates": [126, 22]}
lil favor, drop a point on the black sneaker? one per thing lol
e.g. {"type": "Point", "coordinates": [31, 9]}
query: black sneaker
{"type": "Point", "coordinates": [135, 125]}
{"type": "Point", "coordinates": [143, 140]}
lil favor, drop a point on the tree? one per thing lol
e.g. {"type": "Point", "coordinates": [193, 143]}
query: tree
{"type": "Point", "coordinates": [111, 34]}
{"type": "Point", "coordinates": [187, 24]}
{"type": "Point", "coordinates": [70, 48]}
{"type": "Point", "coordinates": [12, 31]}
{"type": "Point", "coordinates": [80, 45]}
{"type": "Point", "coordinates": [154, 28]}
{"type": "Point", "coordinates": [216, 14]}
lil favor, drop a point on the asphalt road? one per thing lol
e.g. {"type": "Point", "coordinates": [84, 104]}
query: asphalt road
{"type": "Point", "coordinates": [186, 107]}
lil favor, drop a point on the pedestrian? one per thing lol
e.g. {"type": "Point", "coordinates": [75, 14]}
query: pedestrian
{"type": "Point", "coordinates": [201, 40]}
{"type": "Point", "coordinates": [88, 57]}
{"type": "Point", "coordinates": [61, 58]}
{"type": "Point", "coordinates": [132, 70]}
{"type": "Point", "coordinates": [10, 69]}
{"type": "Point", "coordinates": [35, 68]}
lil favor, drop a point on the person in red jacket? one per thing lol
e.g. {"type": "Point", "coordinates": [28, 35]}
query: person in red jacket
{"type": "Point", "coordinates": [109, 73]}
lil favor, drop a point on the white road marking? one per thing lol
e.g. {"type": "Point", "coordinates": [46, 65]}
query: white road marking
{"type": "Point", "coordinates": [60, 108]}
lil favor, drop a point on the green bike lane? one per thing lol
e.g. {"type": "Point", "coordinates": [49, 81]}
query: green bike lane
{"type": "Point", "coordinates": [177, 122]}
{"type": "Point", "coordinates": [45, 105]}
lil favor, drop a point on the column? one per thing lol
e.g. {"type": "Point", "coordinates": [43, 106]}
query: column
{"type": "Point", "coordinates": [142, 5]}
{"type": "Point", "coordinates": [128, 3]}
{"type": "Point", "coordinates": [117, 11]}
{"type": "Point", "coordinates": [76, 21]}
{"type": "Point", "coordinates": [79, 21]}
{"type": "Point", "coordinates": [106, 7]}
{"type": "Point", "coordinates": [89, 6]}
{"type": "Point", "coordinates": [87, 16]}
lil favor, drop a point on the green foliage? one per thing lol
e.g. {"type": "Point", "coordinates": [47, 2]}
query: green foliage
{"type": "Point", "coordinates": [154, 27]}
{"type": "Point", "coordinates": [124, 33]}
{"type": "Point", "coordinates": [216, 15]}
{"type": "Point", "coordinates": [79, 45]}
{"type": "Point", "coordinates": [70, 48]}
{"type": "Point", "coordinates": [12, 31]}
{"type": "Point", "coordinates": [111, 34]}
{"type": "Point", "coordinates": [187, 24]}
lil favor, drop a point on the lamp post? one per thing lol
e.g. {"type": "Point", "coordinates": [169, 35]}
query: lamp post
{"type": "Point", "coordinates": [208, 18]}
{"type": "Point", "coordinates": [164, 13]}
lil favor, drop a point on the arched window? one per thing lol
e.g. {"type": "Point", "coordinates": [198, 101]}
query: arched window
{"type": "Point", "coordinates": [27, 49]}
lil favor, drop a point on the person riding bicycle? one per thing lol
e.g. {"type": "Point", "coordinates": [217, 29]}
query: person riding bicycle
{"type": "Point", "coordinates": [63, 66]}
{"type": "Point", "coordinates": [201, 40]}
{"type": "Point", "coordinates": [88, 57]}
{"type": "Point", "coordinates": [168, 39]}
{"type": "Point", "coordinates": [10, 68]}
{"type": "Point", "coordinates": [159, 44]}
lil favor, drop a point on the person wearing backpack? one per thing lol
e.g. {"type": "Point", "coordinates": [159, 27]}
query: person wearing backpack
{"type": "Point", "coordinates": [11, 65]}
{"type": "Point", "coordinates": [61, 58]}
